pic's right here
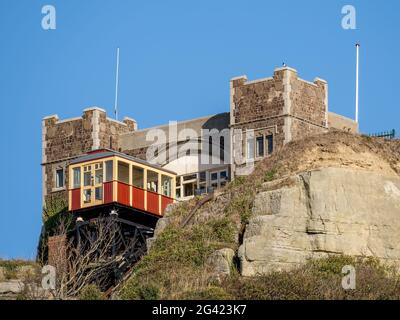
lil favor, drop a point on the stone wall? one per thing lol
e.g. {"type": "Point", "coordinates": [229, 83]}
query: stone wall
{"type": "Point", "coordinates": [57, 248]}
{"type": "Point", "coordinates": [301, 129]}
{"type": "Point", "coordinates": [291, 108]}
{"type": "Point", "coordinates": [309, 100]}
{"type": "Point", "coordinates": [257, 100]}
{"type": "Point", "coordinates": [67, 139]}
{"type": "Point", "coordinates": [337, 121]}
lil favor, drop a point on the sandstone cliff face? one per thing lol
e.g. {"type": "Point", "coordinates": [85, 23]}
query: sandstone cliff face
{"type": "Point", "coordinates": [332, 210]}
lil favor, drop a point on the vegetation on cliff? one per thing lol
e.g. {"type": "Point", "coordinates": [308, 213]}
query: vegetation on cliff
{"type": "Point", "coordinates": [177, 266]}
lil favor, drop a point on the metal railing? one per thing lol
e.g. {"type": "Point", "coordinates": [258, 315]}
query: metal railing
{"type": "Point", "coordinates": [387, 134]}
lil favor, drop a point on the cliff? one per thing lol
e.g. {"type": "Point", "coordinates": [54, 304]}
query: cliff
{"type": "Point", "coordinates": [330, 195]}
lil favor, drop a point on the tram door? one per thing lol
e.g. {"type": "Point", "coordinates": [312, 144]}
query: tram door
{"type": "Point", "coordinates": [93, 184]}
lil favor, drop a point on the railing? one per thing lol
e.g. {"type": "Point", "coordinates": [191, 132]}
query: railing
{"type": "Point", "coordinates": [388, 134]}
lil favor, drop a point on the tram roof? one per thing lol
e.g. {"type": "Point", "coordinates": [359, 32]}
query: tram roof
{"type": "Point", "coordinates": [105, 153]}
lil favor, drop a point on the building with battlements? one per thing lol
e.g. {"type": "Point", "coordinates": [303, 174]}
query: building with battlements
{"type": "Point", "coordinates": [264, 115]}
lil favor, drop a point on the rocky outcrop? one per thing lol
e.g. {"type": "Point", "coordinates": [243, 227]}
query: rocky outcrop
{"type": "Point", "coordinates": [221, 263]}
{"type": "Point", "coordinates": [326, 211]}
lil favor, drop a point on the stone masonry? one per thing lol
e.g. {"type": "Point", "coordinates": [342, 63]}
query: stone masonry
{"type": "Point", "coordinates": [282, 107]}
{"type": "Point", "coordinates": [65, 140]}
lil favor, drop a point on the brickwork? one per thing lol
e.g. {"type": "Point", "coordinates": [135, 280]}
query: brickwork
{"type": "Point", "coordinates": [57, 251]}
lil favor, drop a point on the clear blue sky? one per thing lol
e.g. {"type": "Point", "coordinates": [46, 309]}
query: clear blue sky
{"type": "Point", "coordinates": [176, 61]}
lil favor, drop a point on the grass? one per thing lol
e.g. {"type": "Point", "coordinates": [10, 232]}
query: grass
{"type": "Point", "coordinates": [12, 268]}
{"type": "Point", "coordinates": [178, 260]}
{"type": "Point", "coordinates": [270, 175]}
{"type": "Point", "coordinates": [91, 292]}
{"type": "Point", "coordinates": [320, 279]}
{"type": "Point", "coordinates": [317, 280]}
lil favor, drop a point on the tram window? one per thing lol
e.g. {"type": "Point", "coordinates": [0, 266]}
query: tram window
{"type": "Point", "coordinates": [60, 178]}
{"type": "Point", "coordinates": [87, 195]}
{"type": "Point", "coordinates": [109, 170]}
{"type": "Point", "coordinates": [99, 193]}
{"type": "Point", "coordinates": [152, 181]}
{"type": "Point", "coordinates": [87, 178]}
{"type": "Point", "coordinates": [77, 177]}
{"type": "Point", "coordinates": [99, 174]}
{"type": "Point", "coordinates": [137, 177]}
{"type": "Point", "coordinates": [166, 184]}
{"type": "Point", "coordinates": [123, 172]}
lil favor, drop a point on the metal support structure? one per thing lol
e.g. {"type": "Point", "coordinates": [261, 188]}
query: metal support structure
{"type": "Point", "coordinates": [126, 244]}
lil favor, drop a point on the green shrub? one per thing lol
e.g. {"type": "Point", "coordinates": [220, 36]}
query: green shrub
{"type": "Point", "coordinates": [270, 175]}
{"type": "Point", "coordinates": [210, 293]}
{"type": "Point", "coordinates": [91, 292]}
{"type": "Point", "coordinates": [222, 229]}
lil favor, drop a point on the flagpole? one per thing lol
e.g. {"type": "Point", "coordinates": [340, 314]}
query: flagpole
{"type": "Point", "coordinates": [357, 71]}
{"type": "Point", "coordinates": [116, 88]}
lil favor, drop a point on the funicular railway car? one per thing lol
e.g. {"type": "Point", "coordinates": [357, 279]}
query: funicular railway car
{"type": "Point", "coordinates": [104, 179]}
{"type": "Point", "coordinates": [116, 200]}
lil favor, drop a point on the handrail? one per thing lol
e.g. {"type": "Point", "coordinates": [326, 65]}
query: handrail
{"type": "Point", "coordinates": [199, 204]}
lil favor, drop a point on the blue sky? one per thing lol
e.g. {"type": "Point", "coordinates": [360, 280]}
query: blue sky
{"type": "Point", "coordinates": [176, 61]}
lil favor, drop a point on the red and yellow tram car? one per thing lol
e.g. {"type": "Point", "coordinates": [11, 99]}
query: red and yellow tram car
{"type": "Point", "coordinates": [105, 177]}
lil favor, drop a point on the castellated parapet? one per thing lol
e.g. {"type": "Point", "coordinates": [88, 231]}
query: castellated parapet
{"type": "Point", "coordinates": [277, 110]}
{"type": "Point", "coordinates": [64, 140]}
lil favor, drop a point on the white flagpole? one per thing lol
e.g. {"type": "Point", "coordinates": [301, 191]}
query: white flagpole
{"type": "Point", "coordinates": [116, 88]}
{"type": "Point", "coordinates": [357, 69]}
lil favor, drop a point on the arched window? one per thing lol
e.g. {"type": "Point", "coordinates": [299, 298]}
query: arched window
{"type": "Point", "coordinates": [222, 149]}
{"type": "Point", "coordinates": [210, 153]}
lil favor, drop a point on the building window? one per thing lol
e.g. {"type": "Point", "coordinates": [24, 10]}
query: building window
{"type": "Point", "coordinates": [270, 144]}
{"type": "Point", "coordinates": [188, 189]}
{"type": "Point", "coordinates": [190, 177]}
{"type": "Point", "coordinates": [260, 146]}
{"type": "Point", "coordinates": [202, 176]}
{"type": "Point", "coordinates": [223, 175]}
{"type": "Point", "coordinates": [60, 178]}
{"type": "Point", "coordinates": [178, 192]}
{"type": "Point", "coordinates": [76, 178]}
{"type": "Point", "coordinates": [210, 147]}
{"type": "Point", "coordinates": [222, 149]}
